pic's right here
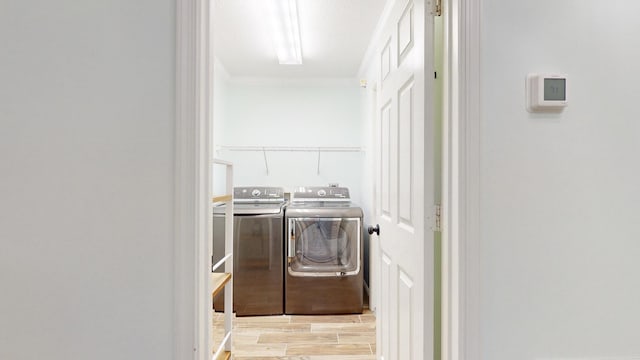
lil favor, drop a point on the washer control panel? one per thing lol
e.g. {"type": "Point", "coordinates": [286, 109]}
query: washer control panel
{"type": "Point", "coordinates": [249, 194]}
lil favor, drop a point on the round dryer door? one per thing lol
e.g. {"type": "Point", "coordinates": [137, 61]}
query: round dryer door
{"type": "Point", "coordinates": [324, 246]}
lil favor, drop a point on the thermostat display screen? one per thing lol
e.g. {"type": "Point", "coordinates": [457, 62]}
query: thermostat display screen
{"type": "Point", "coordinates": [555, 89]}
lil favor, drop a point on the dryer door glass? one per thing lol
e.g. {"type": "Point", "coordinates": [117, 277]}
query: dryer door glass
{"type": "Point", "coordinates": [325, 245]}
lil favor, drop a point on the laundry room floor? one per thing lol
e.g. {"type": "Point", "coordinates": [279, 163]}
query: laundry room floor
{"type": "Point", "coordinates": [297, 337]}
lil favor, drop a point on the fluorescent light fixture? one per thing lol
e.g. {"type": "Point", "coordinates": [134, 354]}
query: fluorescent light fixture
{"type": "Point", "coordinates": [286, 31]}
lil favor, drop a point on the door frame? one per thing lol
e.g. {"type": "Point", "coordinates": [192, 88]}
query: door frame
{"type": "Point", "coordinates": [461, 183]}
{"type": "Point", "coordinates": [193, 181]}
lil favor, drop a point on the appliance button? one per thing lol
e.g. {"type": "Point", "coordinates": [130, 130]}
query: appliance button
{"type": "Point", "coordinates": [255, 193]}
{"type": "Point", "coordinates": [322, 192]}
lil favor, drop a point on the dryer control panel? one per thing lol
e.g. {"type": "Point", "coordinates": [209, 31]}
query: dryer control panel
{"type": "Point", "coordinates": [321, 193]}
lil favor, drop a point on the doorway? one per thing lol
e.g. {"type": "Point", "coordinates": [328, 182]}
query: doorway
{"type": "Point", "coordinates": [269, 118]}
{"type": "Point", "coordinates": [267, 163]}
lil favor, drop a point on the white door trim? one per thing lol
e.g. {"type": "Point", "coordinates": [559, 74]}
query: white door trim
{"type": "Point", "coordinates": [192, 220]}
{"type": "Point", "coordinates": [461, 200]}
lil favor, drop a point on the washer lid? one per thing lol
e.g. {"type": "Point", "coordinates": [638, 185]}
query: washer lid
{"type": "Point", "coordinates": [251, 209]}
{"type": "Point", "coordinates": [256, 209]}
{"type": "Point", "coordinates": [323, 210]}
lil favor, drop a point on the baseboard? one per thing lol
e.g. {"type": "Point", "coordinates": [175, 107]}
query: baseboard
{"type": "Point", "coordinates": [592, 358]}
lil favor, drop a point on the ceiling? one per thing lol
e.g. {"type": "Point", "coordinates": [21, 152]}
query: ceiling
{"type": "Point", "coordinates": [334, 34]}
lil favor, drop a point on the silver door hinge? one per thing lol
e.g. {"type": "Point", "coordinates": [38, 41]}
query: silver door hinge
{"type": "Point", "coordinates": [437, 8]}
{"type": "Point", "coordinates": [436, 218]}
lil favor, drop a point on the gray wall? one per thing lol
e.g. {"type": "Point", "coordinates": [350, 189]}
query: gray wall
{"type": "Point", "coordinates": [86, 179]}
{"type": "Point", "coordinates": [560, 203]}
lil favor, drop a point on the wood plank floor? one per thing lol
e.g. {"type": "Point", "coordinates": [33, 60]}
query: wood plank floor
{"type": "Point", "coordinates": [297, 337]}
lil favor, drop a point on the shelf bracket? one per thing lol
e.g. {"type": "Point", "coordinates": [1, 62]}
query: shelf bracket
{"type": "Point", "coordinates": [266, 164]}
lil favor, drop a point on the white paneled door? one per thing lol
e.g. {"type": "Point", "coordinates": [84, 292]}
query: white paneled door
{"type": "Point", "coordinates": [405, 183]}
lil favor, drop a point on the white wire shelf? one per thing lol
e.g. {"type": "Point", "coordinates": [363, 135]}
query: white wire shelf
{"type": "Point", "coordinates": [293, 148]}
{"type": "Point", "coordinates": [313, 149]}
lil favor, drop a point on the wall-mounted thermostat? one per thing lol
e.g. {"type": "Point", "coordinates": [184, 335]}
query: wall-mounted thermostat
{"type": "Point", "coordinates": [546, 92]}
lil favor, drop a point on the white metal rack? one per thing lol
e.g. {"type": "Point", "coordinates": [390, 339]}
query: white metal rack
{"type": "Point", "coordinates": [220, 280]}
{"type": "Point", "coordinates": [293, 148]}
{"type": "Point", "coordinates": [314, 149]}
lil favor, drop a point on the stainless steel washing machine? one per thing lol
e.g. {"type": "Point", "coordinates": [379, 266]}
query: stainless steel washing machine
{"type": "Point", "coordinates": [323, 272]}
{"type": "Point", "coordinates": [257, 250]}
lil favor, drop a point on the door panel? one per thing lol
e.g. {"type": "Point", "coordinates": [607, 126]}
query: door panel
{"type": "Point", "coordinates": [405, 155]}
{"type": "Point", "coordinates": [405, 32]}
{"type": "Point", "coordinates": [405, 189]}
{"type": "Point", "coordinates": [385, 333]}
{"type": "Point", "coordinates": [385, 171]}
{"type": "Point", "coordinates": [405, 316]}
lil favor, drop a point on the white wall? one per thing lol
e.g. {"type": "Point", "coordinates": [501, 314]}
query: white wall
{"type": "Point", "coordinates": [368, 103]}
{"type": "Point", "coordinates": [221, 80]}
{"type": "Point", "coordinates": [368, 108]}
{"type": "Point", "coordinates": [560, 206]}
{"type": "Point", "coordinates": [86, 179]}
{"type": "Point", "coordinates": [297, 113]}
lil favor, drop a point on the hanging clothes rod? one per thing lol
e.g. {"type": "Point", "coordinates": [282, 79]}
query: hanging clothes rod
{"type": "Point", "coordinates": [314, 149]}
{"type": "Point", "coordinates": [293, 148]}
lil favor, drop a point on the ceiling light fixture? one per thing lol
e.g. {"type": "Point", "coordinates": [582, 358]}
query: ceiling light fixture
{"type": "Point", "coordinates": [286, 31]}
